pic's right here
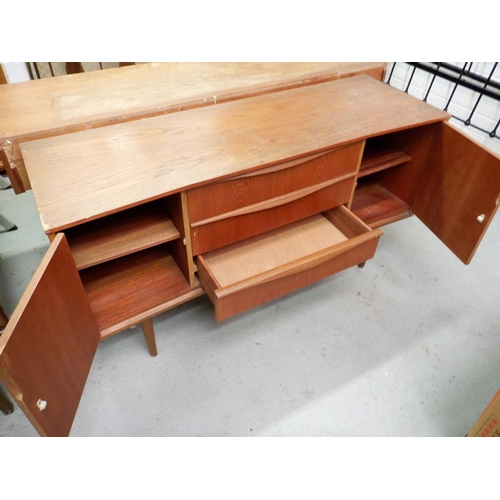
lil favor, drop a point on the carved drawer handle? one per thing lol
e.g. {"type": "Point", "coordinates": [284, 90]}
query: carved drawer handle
{"type": "Point", "coordinates": [273, 202]}
{"type": "Point", "coordinates": [282, 166]}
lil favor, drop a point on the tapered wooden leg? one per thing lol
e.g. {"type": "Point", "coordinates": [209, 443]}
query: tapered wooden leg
{"type": "Point", "coordinates": [6, 405]}
{"type": "Point", "coordinates": [3, 318]}
{"type": "Point", "coordinates": [149, 335]}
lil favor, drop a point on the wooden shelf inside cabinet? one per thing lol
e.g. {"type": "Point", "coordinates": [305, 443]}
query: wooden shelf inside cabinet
{"type": "Point", "coordinates": [120, 234]}
{"type": "Point", "coordinates": [125, 291]}
{"type": "Point", "coordinates": [376, 206]}
{"type": "Point", "coordinates": [376, 161]}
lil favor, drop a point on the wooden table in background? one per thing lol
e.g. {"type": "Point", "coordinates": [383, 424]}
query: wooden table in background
{"type": "Point", "coordinates": [54, 106]}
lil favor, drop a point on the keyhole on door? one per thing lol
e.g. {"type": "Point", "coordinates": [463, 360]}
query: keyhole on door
{"type": "Point", "coordinates": [480, 218]}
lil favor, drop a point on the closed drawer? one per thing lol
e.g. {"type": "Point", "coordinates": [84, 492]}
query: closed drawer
{"type": "Point", "coordinates": [264, 267]}
{"type": "Point", "coordinates": [228, 211]}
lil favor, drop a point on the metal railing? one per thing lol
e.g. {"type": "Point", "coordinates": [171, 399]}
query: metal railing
{"type": "Point", "coordinates": [482, 87]}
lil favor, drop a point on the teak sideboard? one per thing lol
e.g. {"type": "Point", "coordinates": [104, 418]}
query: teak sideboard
{"type": "Point", "coordinates": [244, 201]}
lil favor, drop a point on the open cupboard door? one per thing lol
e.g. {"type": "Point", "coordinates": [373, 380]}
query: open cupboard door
{"type": "Point", "coordinates": [460, 191]}
{"type": "Point", "coordinates": [48, 346]}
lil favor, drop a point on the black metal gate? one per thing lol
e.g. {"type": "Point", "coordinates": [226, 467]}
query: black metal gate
{"type": "Point", "coordinates": [481, 107]}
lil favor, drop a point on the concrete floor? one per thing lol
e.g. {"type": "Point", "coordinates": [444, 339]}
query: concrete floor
{"type": "Point", "coordinates": [407, 346]}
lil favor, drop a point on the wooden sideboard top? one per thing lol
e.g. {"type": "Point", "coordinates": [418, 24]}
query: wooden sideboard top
{"type": "Point", "coordinates": [88, 174]}
{"type": "Point", "coordinates": [73, 102]}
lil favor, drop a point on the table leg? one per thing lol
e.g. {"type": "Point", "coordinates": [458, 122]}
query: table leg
{"type": "Point", "coordinates": [6, 225]}
{"type": "Point", "coordinates": [3, 319]}
{"type": "Point", "coordinates": [149, 334]}
{"type": "Point", "coordinates": [6, 405]}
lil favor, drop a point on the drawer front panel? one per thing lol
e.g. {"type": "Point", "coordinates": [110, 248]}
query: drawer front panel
{"type": "Point", "coordinates": [219, 233]}
{"type": "Point", "coordinates": [222, 197]}
{"type": "Point", "coordinates": [250, 273]}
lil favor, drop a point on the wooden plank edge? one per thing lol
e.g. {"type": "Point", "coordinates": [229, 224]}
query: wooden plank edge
{"type": "Point", "coordinates": [390, 219]}
{"type": "Point", "coordinates": [391, 159]}
{"type": "Point", "coordinates": [90, 263]}
{"type": "Point", "coordinates": [297, 266]}
{"type": "Point", "coordinates": [274, 202]}
{"type": "Point", "coordinates": [192, 293]}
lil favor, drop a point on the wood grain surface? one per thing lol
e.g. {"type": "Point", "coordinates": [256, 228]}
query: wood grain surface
{"type": "Point", "coordinates": [55, 106]}
{"type": "Point", "coordinates": [233, 195]}
{"type": "Point", "coordinates": [47, 348]}
{"type": "Point", "coordinates": [460, 193]}
{"type": "Point", "coordinates": [66, 103]}
{"type": "Point", "coordinates": [126, 291]}
{"type": "Point", "coordinates": [118, 235]}
{"type": "Point", "coordinates": [169, 153]}
{"type": "Point", "coordinates": [229, 230]}
{"type": "Point", "coordinates": [275, 248]}
{"type": "Point", "coordinates": [262, 268]}
{"type": "Point", "coordinates": [376, 206]}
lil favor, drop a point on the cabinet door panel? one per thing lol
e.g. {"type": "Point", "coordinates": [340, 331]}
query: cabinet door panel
{"type": "Point", "coordinates": [460, 191]}
{"type": "Point", "coordinates": [47, 348]}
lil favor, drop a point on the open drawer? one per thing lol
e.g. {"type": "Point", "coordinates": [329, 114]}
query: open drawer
{"type": "Point", "coordinates": [254, 271]}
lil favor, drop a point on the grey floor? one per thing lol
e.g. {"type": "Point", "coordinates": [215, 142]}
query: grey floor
{"type": "Point", "coordinates": [407, 346]}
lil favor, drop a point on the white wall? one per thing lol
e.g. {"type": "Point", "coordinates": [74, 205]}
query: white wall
{"type": "Point", "coordinates": [19, 71]}
{"type": "Point", "coordinates": [16, 71]}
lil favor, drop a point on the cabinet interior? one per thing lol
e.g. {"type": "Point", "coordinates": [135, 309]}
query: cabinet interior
{"type": "Point", "coordinates": [123, 292]}
{"type": "Point", "coordinates": [389, 174]}
{"type": "Point", "coordinates": [128, 264]}
{"type": "Point", "coordinates": [120, 234]}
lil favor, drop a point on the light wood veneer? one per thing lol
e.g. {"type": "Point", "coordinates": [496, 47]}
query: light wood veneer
{"type": "Point", "coordinates": [249, 273]}
{"type": "Point", "coordinates": [65, 104]}
{"type": "Point", "coordinates": [170, 153]}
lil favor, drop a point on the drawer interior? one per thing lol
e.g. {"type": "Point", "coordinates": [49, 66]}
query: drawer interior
{"type": "Point", "coordinates": [264, 267]}
{"type": "Point", "coordinates": [276, 248]}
